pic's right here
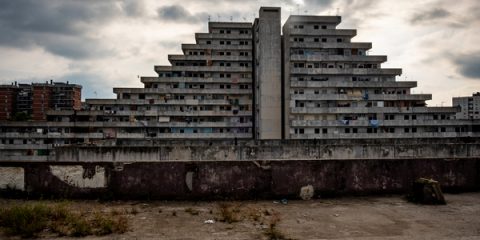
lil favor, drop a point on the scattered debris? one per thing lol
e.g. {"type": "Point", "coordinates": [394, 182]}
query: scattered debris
{"type": "Point", "coordinates": [426, 191]}
{"type": "Point", "coordinates": [284, 201]}
{"type": "Point", "coordinates": [307, 192]}
{"type": "Point", "coordinates": [209, 221]}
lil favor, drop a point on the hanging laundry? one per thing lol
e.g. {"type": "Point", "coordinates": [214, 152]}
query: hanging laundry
{"type": "Point", "coordinates": [374, 123]}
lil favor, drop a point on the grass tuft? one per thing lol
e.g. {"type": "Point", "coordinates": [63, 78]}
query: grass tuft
{"type": "Point", "coordinates": [30, 220]}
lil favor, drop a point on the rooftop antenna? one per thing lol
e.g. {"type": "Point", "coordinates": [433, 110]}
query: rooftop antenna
{"type": "Point", "coordinates": [209, 18]}
{"type": "Point", "coordinates": [231, 18]}
{"type": "Point", "coordinates": [244, 19]}
{"type": "Point", "coordinates": [338, 11]}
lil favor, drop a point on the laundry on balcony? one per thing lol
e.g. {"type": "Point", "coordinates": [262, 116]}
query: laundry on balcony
{"type": "Point", "coordinates": [374, 123]}
{"type": "Point", "coordinates": [365, 96]}
{"type": "Point", "coordinates": [345, 122]}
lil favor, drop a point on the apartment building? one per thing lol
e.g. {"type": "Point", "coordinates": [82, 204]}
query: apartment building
{"type": "Point", "coordinates": [206, 93]}
{"type": "Point", "coordinates": [469, 106]}
{"type": "Point", "coordinates": [238, 81]}
{"type": "Point", "coordinates": [34, 100]}
{"type": "Point", "coordinates": [334, 89]}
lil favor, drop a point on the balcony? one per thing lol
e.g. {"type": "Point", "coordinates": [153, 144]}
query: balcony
{"type": "Point", "coordinates": [323, 32]}
{"type": "Point", "coordinates": [184, 91]}
{"type": "Point", "coordinates": [185, 136]}
{"type": "Point", "coordinates": [231, 36]}
{"type": "Point", "coordinates": [215, 47]}
{"type": "Point", "coordinates": [347, 97]}
{"type": "Point", "coordinates": [382, 135]}
{"type": "Point", "coordinates": [347, 71]}
{"type": "Point", "coordinates": [172, 58]}
{"type": "Point", "coordinates": [334, 110]}
{"type": "Point", "coordinates": [350, 84]}
{"type": "Point", "coordinates": [338, 58]}
{"type": "Point", "coordinates": [366, 123]}
{"type": "Point", "coordinates": [320, 45]}
{"type": "Point", "coordinates": [194, 80]}
{"type": "Point", "coordinates": [160, 69]}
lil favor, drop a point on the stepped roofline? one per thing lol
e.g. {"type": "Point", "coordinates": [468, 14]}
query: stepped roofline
{"type": "Point", "coordinates": [314, 19]}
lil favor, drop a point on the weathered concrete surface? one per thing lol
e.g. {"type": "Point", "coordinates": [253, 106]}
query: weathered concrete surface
{"type": "Point", "coordinates": [12, 178]}
{"type": "Point", "coordinates": [78, 176]}
{"type": "Point", "coordinates": [275, 150]}
{"type": "Point", "coordinates": [246, 179]}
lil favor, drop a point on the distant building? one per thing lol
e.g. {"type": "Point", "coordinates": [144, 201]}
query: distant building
{"type": "Point", "coordinates": [34, 100]}
{"type": "Point", "coordinates": [470, 106]}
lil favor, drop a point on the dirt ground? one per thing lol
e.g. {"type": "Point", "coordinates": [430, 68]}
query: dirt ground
{"type": "Point", "coordinates": [343, 218]}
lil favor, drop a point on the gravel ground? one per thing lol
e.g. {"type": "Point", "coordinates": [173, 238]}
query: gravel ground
{"type": "Point", "coordinates": [343, 218]}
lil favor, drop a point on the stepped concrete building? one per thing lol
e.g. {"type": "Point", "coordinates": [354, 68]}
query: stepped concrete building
{"type": "Point", "coordinates": [244, 81]}
{"type": "Point", "coordinates": [334, 89]}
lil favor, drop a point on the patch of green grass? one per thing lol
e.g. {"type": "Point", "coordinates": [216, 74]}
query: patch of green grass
{"type": "Point", "coordinates": [29, 220]}
{"type": "Point", "coordinates": [25, 221]}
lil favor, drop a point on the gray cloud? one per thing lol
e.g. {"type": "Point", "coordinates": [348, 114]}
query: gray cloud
{"type": "Point", "coordinates": [48, 24]}
{"type": "Point", "coordinates": [178, 13]}
{"type": "Point", "coordinates": [429, 15]}
{"type": "Point", "coordinates": [468, 64]}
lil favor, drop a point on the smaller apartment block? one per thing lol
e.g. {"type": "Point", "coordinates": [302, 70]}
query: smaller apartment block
{"type": "Point", "coordinates": [34, 100]}
{"type": "Point", "coordinates": [470, 106]}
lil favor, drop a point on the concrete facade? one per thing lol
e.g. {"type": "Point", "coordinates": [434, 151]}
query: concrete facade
{"type": "Point", "coordinates": [268, 74]}
{"type": "Point", "coordinates": [334, 89]}
{"type": "Point", "coordinates": [470, 106]}
{"type": "Point", "coordinates": [237, 82]}
{"type": "Point", "coordinates": [246, 180]}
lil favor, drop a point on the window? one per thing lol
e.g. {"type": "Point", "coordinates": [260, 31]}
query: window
{"type": "Point", "coordinates": [324, 130]}
{"type": "Point", "coordinates": [222, 31]}
{"type": "Point", "coordinates": [339, 40]}
{"type": "Point", "coordinates": [317, 130]}
{"type": "Point", "coordinates": [316, 40]}
{"type": "Point", "coordinates": [406, 117]}
{"type": "Point", "coordinates": [209, 42]}
{"type": "Point", "coordinates": [324, 40]}
{"type": "Point", "coordinates": [324, 27]}
{"type": "Point", "coordinates": [222, 42]}
{"type": "Point", "coordinates": [406, 130]}
{"type": "Point", "coordinates": [315, 27]}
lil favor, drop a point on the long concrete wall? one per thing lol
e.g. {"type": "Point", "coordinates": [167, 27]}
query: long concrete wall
{"type": "Point", "coordinates": [234, 179]}
{"type": "Point", "coordinates": [273, 150]}
{"type": "Point", "coordinates": [246, 169]}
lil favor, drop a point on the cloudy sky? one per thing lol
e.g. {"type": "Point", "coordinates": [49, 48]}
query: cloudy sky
{"type": "Point", "coordinates": [109, 43]}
